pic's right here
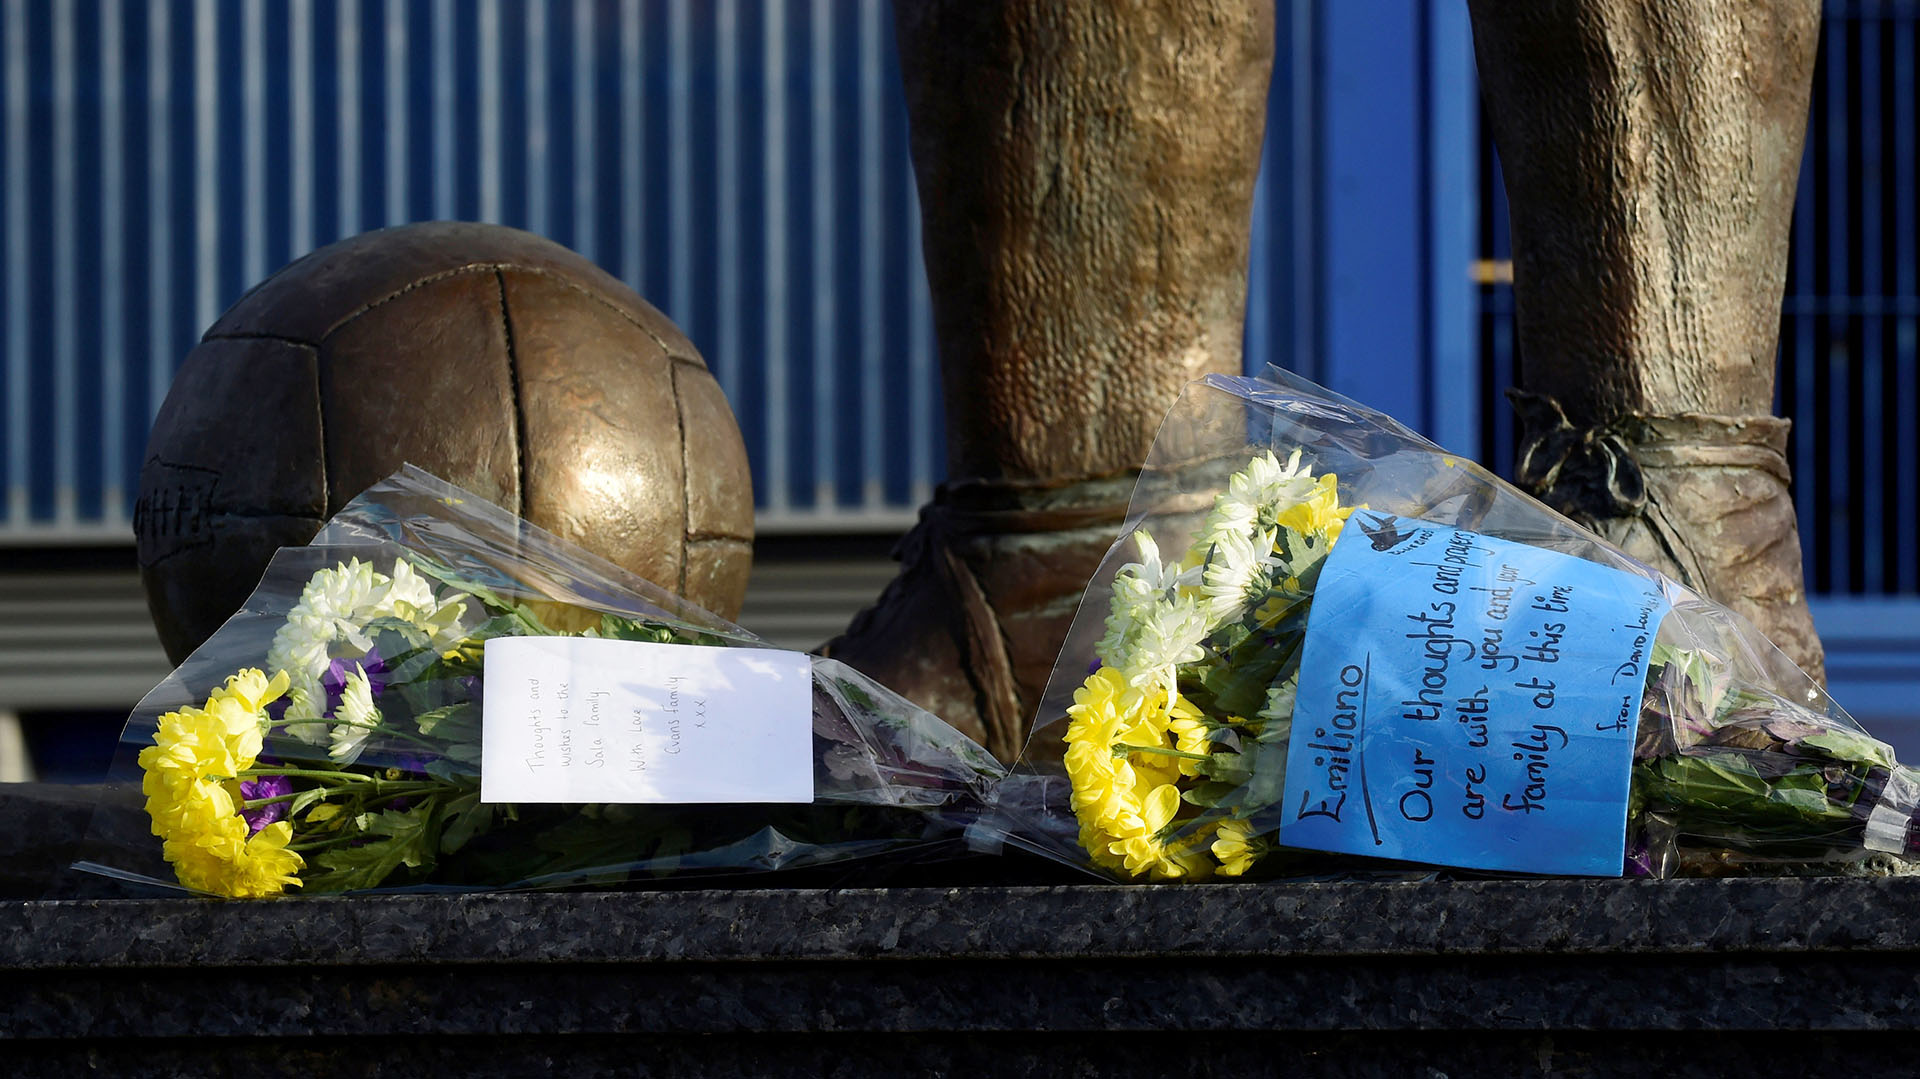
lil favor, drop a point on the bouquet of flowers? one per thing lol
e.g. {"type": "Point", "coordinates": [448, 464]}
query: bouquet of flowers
{"type": "Point", "coordinates": [434, 693]}
{"type": "Point", "coordinates": [1326, 639]}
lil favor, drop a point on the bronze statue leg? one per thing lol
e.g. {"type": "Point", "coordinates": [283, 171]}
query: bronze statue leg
{"type": "Point", "coordinates": [1086, 174]}
{"type": "Point", "coordinates": [1651, 150]}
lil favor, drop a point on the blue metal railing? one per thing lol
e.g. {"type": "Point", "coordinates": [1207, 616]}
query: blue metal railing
{"type": "Point", "coordinates": [1851, 317]}
{"type": "Point", "coordinates": [1848, 377]}
{"type": "Point", "coordinates": [741, 163]}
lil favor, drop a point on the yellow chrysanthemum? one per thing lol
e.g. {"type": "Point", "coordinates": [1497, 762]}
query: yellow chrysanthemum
{"type": "Point", "coordinates": [189, 780]}
{"type": "Point", "coordinates": [1316, 512]}
{"type": "Point", "coordinates": [1126, 799]}
{"type": "Point", "coordinates": [252, 689]}
{"type": "Point", "coordinates": [193, 743]}
{"type": "Point", "coordinates": [180, 803]}
{"type": "Point", "coordinates": [226, 861]}
{"type": "Point", "coordinates": [1191, 735]}
{"type": "Point", "coordinates": [1140, 846]}
{"type": "Point", "coordinates": [1094, 842]}
{"type": "Point", "coordinates": [1182, 858]}
{"type": "Point", "coordinates": [1131, 736]}
{"type": "Point", "coordinates": [1235, 847]}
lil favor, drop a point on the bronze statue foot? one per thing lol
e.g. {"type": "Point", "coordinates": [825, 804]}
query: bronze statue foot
{"type": "Point", "coordinates": [990, 579]}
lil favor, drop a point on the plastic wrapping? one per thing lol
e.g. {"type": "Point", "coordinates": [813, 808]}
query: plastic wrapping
{"type": "Point", "coordinates": [1324, 641]}
{"type": "Point", "coordinates": [328, 737]}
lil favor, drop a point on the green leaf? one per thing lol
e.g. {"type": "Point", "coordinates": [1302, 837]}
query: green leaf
{"type": "Point", "coordinates": [1700, 681]}
{"type": "Point", "coordinates": [467, 816]}
{"type": "Point", "coordinates": [395, 838]}
{"type": "Point", "coordinates": [616, 627]}
{"type": "Point", "coordinates": [396, 629]}
{"type": "Point", "coordinates": [304, 799]}
{"type": "Point", "coordinates": [1723, 781]}
{"type": "Point", "coordinates": [1239, 684]}
{"type": "Point", "coordinates": [1209, 794]}
{"type": "Point", "coordinates": [413, 665]}
{"type": "Point", "coordinates": [1851, 747]}
{"type": "Point", "coordinates": [505, 625]}
{"type": "Point", "coordinates": [432, 720]}
{"type": "Point", "coordinates": [1712, 790]}
{"type": "Point", "coordinates": [1234, 768]}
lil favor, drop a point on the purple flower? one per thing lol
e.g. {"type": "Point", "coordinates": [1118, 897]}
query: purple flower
{"type": "Point", "coordinates": [1639, 861]}
{"type": "Point", "coordinates": [265, 787]}
{"type": "Point", "coordinates": [334, 679]}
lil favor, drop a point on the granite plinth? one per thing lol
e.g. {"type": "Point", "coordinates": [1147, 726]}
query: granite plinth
{"type": "Point", "coordinates": [1348, 978]}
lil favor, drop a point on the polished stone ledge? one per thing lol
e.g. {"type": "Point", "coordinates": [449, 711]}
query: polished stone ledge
{"type": "Point", "coordinates": [1804, 954]}
{"type": "Point", "coordinates": [1596, 918]}
{"type": "Point", "coordinates": [1434, 977]}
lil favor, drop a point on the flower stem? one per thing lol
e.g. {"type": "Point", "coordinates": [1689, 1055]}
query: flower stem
{"type": "Point", "coordinates": [1121, 749]}
{"type": "Point", "coordinates": [303, 773]}
{"type": "Point", "coordinates": [384, 728]}
{"type": "Point", "coordinates": [322, 844]}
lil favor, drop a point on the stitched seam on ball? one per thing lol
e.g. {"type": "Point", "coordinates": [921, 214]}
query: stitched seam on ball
{"type": "Point", "coordinates": [513, 382]}
{"type": "Point", "coordinates": [470, 268]}
{"type": "Point", "coordinates": [279, 338]}
{"type": "Point", "coordinates": [616, 309]}
{"type": "Point", "coordinates": [320, 429]}
{"type": "Point", "coordinates": [498, 270]}
{"type": "Point", "coordinates": [686, 478]}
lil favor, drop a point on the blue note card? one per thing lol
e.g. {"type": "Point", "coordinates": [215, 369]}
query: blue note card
{"type": "Point", "coordinates": [1468, 701]}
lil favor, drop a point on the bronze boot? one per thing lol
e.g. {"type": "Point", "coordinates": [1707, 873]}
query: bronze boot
{"type": "Point", "coordinates": [1086, 174]}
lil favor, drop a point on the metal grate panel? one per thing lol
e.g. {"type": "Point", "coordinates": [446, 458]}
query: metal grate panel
{"type": "Point", "coordinates": [742, 163]}
{"type": "Point", "coordinates": [1850, 323]}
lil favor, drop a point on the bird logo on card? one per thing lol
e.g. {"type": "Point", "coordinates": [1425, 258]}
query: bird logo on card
{"type": "Point", "coordinates": [1384, 530]}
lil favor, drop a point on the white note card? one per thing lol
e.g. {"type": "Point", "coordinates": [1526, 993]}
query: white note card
{"type": "Point", "coordinates": [580, 719]}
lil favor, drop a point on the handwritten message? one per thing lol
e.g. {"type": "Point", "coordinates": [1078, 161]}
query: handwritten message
{"type": "Point", "coordinates": [570, 719]}
{"type": "Point", "coordinates": [1468, 701]}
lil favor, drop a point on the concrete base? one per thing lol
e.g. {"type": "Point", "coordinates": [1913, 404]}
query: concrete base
{"type": "Point", "coordinates": [1431, 978]}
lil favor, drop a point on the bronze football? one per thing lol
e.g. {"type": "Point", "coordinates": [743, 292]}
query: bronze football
{"type": "Point", "coordinates": [493, 358]}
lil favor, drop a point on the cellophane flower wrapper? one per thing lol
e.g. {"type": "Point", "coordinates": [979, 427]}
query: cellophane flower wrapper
{"type": "Point", "coordinates": [1325, 645]}
{"type": "Point", "coordinates": [328, 737]}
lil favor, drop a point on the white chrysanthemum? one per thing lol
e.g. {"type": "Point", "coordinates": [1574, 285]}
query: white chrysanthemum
{"type": "Point", "coordinates": [1169, 636]}
{"type": "Point", "coordinates": [330, 621]}
{"type": "Point", "coordinates": [1280, 699]}
{"type": "Point", "coordinates": [1231, 515]}
{"type": "Point", "coordinates": [305, 717]}
{"type": "Point", "coordinates": [1159, 576]}
{"type": "Point", "coordinates": [358, 717]}
{"type": "Point", "coordinates": [1265, 478]}
{"type": "Point", "coordinates": [301, 648]}
{"type": "Point", "coordinates": [1259, 493]}
{"type": "Point", "coordinates": [1140, 590]}
{"type": "Point", "coordinates": [333, 606]}
{"type": "Point", "coordinates": [410, 598]}
{"type": "Point", "coordinates": [406, 587]}
{"type": "Point", "coordinates": [1232, 572]}
{"type": "Point", "coordinates": [343, 599]}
